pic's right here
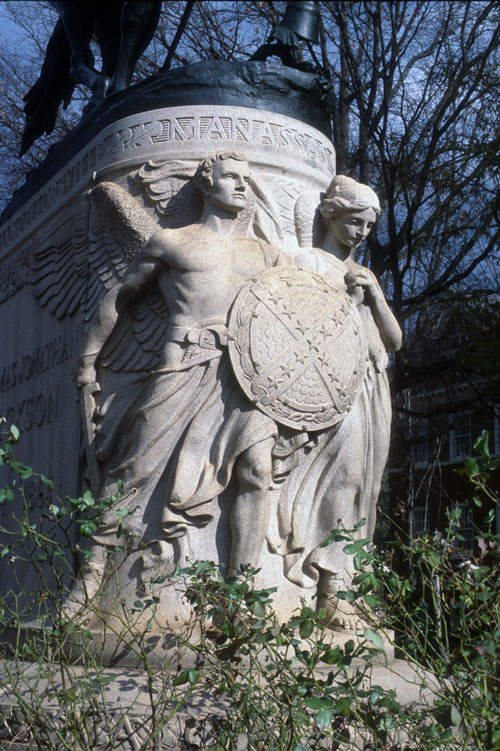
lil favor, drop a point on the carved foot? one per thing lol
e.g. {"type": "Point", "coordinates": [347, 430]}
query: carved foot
{"type": "Point", "coordinates": [158, 562]}
{"type": "Point", "coordinates": [79, 599]}
{"type": "Point", "coordinates": [87, 585]}
{"type": "Point", "coordinates": [342, 616]}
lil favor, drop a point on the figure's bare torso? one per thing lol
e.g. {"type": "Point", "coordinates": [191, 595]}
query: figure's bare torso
{"type": "Point", "coordinates": [202, 273]}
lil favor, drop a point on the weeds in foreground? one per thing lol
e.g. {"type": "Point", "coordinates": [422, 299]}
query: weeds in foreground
{"type": "Point", "coordinates": [237, 678]}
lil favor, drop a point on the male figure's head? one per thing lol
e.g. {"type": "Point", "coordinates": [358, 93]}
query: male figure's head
{"type": "Point", "coordinates": [224, 179]}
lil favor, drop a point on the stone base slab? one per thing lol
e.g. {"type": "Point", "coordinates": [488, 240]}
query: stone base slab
{"type": "Point", "coordinates": [105, 646]}
{"type": "Point", "coordinates": [122, 706]}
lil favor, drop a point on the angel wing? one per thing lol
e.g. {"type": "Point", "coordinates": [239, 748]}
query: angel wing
{"type": "Point", "coordinates": [170, 187]}
{"type": "Point", "coordinates": [148, 320]}
{"type": "Point", "coordinates": [307, 218]}
{"type": "Point", "coordinates": [86, 257]}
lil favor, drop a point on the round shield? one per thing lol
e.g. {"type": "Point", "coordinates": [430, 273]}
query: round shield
{"type": "Point", "coordinates": [297, 347]}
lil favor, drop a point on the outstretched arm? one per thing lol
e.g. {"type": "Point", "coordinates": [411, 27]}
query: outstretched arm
{"type": "Point", "coordinates": [141, 272]}
{"type": "Point", "coordinates": [388, 327]}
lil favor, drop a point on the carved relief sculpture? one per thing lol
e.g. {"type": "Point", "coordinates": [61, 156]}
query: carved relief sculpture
{"type": "Point", "coordinates": [338, 481]}
{"type": "Point", "coordinates": [232, 385]}
{"type": "Point", "coordinates": [214, 361]}
{"type": "Point", "coordinates": [176, 443]}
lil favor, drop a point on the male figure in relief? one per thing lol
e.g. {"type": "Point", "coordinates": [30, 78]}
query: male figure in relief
{"type": "Point", "coordinates": [190, 426]}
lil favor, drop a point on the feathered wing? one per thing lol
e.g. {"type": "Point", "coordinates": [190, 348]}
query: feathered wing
{"type": "Point", "coordinates": [265, 222]}
{"type": "Point", "coordinates": [170, 187]}
{"type": "Point", "coordinates": [107, 229]}
{"type": "Point", "coordinates": [147, 319]}
{"type": "Point", "coordinates": [307, 219]}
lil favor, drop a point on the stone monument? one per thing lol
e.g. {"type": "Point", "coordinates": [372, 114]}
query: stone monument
{"type": "Point", "coordinates": [189, 254]}
{"type": "Point", "coordinates": [342, 476]}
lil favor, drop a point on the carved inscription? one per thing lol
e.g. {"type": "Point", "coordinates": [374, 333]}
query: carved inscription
{"type": "Point", "coordinates": [249, 130]}
{"type": "Point", "coordinates": [48, 198]}
{"type": "Point", "coordinates": [218, 128]}
{"type": "Point", "coordinates": [27, 414]}
{"type": "Point", "coordinates": [38, 493]}
{"type": "Point", "coordinates": [54, 352]}
{"type": "Point", "coordinates": [34, 411]}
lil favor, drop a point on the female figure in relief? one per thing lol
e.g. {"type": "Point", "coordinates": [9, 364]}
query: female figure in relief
{"type": "Point", "coordinates": [338, 482]}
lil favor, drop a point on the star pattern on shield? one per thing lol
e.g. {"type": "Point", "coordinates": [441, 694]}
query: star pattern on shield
{"type": "Point", "coordinates": [305, 372]}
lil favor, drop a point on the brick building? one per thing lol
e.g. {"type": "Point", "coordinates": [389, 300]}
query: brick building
{"type": "Point", "coordinates": [437, 420]}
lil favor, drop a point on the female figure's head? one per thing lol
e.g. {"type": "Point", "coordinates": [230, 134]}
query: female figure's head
{"type": "Point", "coordinates": [350, 210]}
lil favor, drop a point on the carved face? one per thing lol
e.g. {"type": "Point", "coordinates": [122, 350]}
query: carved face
{"type": "Point", "coordinates": [352, 227]}
{"type": "Point", "coordinates": [230, 180]}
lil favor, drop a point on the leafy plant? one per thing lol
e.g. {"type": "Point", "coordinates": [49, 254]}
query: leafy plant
{"type": "Point", "coordinates": [267, 684]}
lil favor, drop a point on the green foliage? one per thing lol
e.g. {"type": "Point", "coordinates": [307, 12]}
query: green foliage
{"type": "Point", "coordinates": [284, 685]}
{"type": "Point", "coordinates": [271, 685]}
{"type": "Point", "coordinates": [47, 542]}
{"type": "Point", "coordinates": [447, 612]}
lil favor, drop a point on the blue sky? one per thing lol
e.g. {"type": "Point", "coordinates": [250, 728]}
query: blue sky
{"type": "Point", "coordinates": [7, 27]}
{"type": "Point", "coordinates": [16, 37]}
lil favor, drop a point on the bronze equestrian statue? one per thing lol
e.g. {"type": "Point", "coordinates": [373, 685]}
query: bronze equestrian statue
{"type": "Point", "coordinates": [123, 29]}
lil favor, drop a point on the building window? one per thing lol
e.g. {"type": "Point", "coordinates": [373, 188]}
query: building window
{"type": "Point", "coordinates": [464, 527]}
{"type": "Point", "coordinates": [418, 440]}
{"type": "Point", "coordinates": [419, 521]}
{"type": "Point", "coordinates": [460, 437]}
{"type": "Point", "coordinates": [496, 429]}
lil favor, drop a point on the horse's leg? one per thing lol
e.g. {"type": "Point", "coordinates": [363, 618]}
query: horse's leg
{"type": "Point", "coordinates": [78, 27]}
{"type": "Point", "coordinates": [108, 38]}
{"type": "Point", "coordinates": [138, 24]}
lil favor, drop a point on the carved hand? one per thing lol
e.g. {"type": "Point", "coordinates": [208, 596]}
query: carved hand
{"type": "Point", "coordinates": [366, 279]}
{"type": "Point", "coordinates": [354, 288]}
